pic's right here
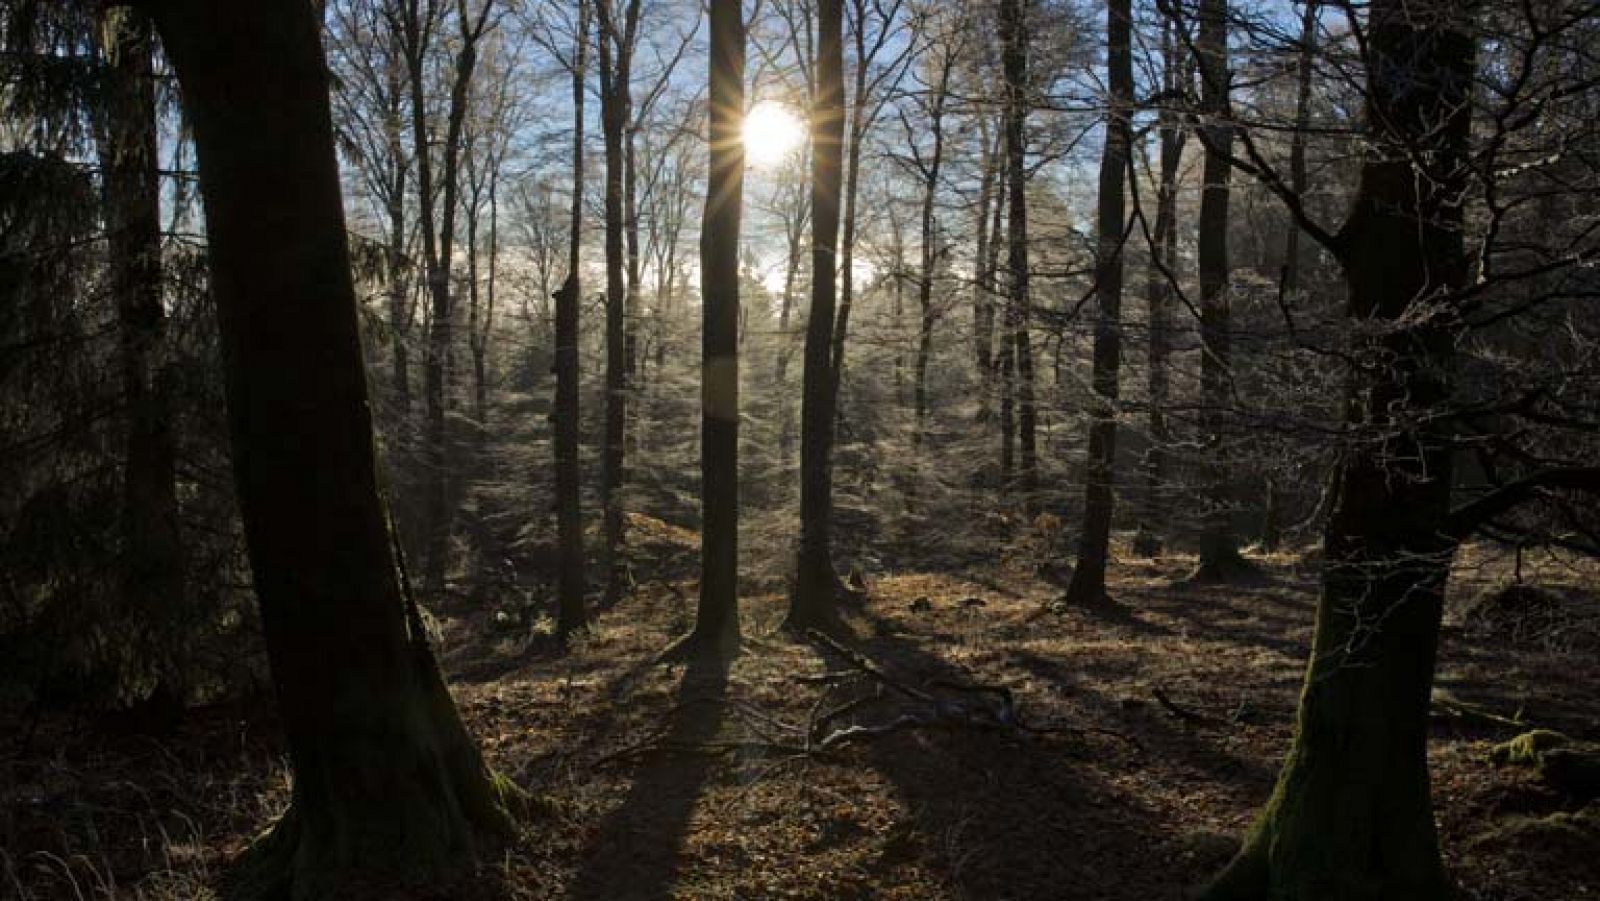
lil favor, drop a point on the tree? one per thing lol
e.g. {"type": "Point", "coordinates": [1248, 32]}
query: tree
{"type": "Point", "coordinates": [417, 22]}
{"type": "Point", "coordinates": [618, 37]}
{"type": "Point", "coordinates": [1017, 359]}
{"type": "Point", "coordinates": [1351, 816]}
{"type": "Point", "coordinates": [570, 614]}
{"type": "Point", "coordinates": [716, 627]}
{"type": "Point", "coordinates": [816, 586]}
{"type": "Point", "coordinates": [928, 167]}
{"type": "Point", "coordinates": [1289, 282]}
{"type": "Point", "coordinates": [370, 117]}
{"type": "Point", "coordinates": [867, 97]}
{"type": "Point", "coordinates": [1220, 559]}
{"type": "Point", "coordinates": [1159, 276]}
{"type": "Point", "coordinates": [388, 783]}
{"type": "Point", "coordinates": [1088, 584]}
{"type": "Point", "coordinates": [152, 547]}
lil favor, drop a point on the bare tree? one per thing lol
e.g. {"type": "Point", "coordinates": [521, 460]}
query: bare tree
{"type": "Point", "coordinates": [716, 628]}
{"type": "Point", "coordinates": [1089, 574]}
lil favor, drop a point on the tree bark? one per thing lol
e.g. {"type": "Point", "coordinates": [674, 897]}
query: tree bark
{"type": "Point", "coordinates": [1088, 584]}
{"type": "Point", "coordinates": [1351, 817]}
{"type": "Point", "coordinates": [1158, 302]}
{"type": "Point", "coordinates": [616, 100]}
{"type": "Point", "coordinates": [817, 587]}
{"type": "Point", "coordinates": [928, 316]}
{"type": "Point", "coordinates": [1220, 559]}
{"type": "Point", "coordinates": [989, 203]}
{"type": "Point", "coordinates": [1272, 517]}
{"type": "Point", "coordinates": [388, 784]}
{"type": "Point", "coordinates": [152, 570]}
{"type": "Point", "coordinates": [716, 628]}
{"type": "Point", "coordinates": [570, 614]}
{"type": "Point", "coordinates": [1014, 64]}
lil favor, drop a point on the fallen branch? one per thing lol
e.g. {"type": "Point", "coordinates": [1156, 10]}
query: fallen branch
{"type": "Point", "coordinates": [1184, 713]}
{"type": "Point", "coordinates": [1460, 709]}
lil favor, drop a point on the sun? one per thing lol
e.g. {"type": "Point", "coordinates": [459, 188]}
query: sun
{"type": "Point", "coordinates": [771, 133]}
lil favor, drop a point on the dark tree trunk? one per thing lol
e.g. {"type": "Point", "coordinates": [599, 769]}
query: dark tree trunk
{"type": "Point", "coordinates": [570, 615]}
{"type": "Point", "coordinates": [928, 316]}
{"type": "Point", "coordinates": [152, 546]}
{"type": "Point", "coordinates": [990, 199]}
{"type": "Point", "coordinates": [1158, 302]}
{"type": "Point", "coordinates": [388, 785]}
{"type": "Point", "coordinates": [716, 628]}
{"type": "Point", "coordinates": [860, 114]}
{"type": "Point", "coordinates": [1089, 574]}
{"type": "Point", "coordinates": [1351, 817]}
{"type": "Point", "coordinates": [1220, 559]}
{"type": "Point", "coordinates": [616, 109]}
{"type": "Point", "coordinates": [1014, 65]}
{"type": "Point", "coordinates": [1272, 517]}
{"type": "Point", "coordinates": [816, 588]}
{"type": "Point", "coordinates": [396, 265]}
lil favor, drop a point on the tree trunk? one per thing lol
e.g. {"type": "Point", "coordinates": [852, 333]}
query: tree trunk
{"type": "Point", "coordinates": [1220, 559]}
{"type": "Point", "coordinates": [1089, 575]}
{"type": "Point", "coordinates": [1272, 517]}
{"type": "Point", "coordinates": [794, 229]}
{"type": "Point", "coordinates": [616, 53]}
{"type": "Point", "coordinates": [152, 568]}
{"type": "Point", "coordinates": [1158, 302]}
{"type": "Point", "coordinates": [716, 628]}
{"type": "Point", "coordinates": [439, 253]}
{"type": "Point", "coordinates": [860, 113]}
{"type": "Point", "coordinates": [817, 587]}
{"type": "Point", "coordinates": [1351, 817]}
{"type": "Point", "coordinates": [989, 202]}
{"type": "Point", "coordinates": [1014, 64]}
{"type": "Point", "coordinates": [930, 239]}
{"type": "Point", "coordinates": [570, 614]}
{"type": "Point", "coordinates": [388, 784]}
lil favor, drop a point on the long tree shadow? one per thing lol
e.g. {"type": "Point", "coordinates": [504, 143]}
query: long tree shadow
{"type": "Point", "coordinates": [1006, 814]}
{"type": "Point", "coordinates": [636, 851]}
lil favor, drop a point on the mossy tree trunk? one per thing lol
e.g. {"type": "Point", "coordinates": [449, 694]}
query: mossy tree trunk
{"type": "Point", "coordinates": [388, 785]}
{"type": "Point", "coordinates": [1351, 818]}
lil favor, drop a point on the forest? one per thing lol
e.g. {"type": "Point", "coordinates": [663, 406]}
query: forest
{"type": "Point", "coordinates": [815, 449]}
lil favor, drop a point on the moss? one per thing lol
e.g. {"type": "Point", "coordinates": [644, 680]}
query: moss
{"type": "Point", "coordinates": [1577, 831]}
{"type": "Point", "coordinates": [1571, 768]}
{"type": "Point", "coordinates": [1528, 748]}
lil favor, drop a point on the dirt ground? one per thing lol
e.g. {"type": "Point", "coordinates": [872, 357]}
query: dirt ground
{"type": "Point", "coordinates": [1143, 740]}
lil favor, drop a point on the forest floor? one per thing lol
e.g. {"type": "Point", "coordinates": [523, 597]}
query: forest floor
{"type": "Point", "coordinates": [1144, 738]}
